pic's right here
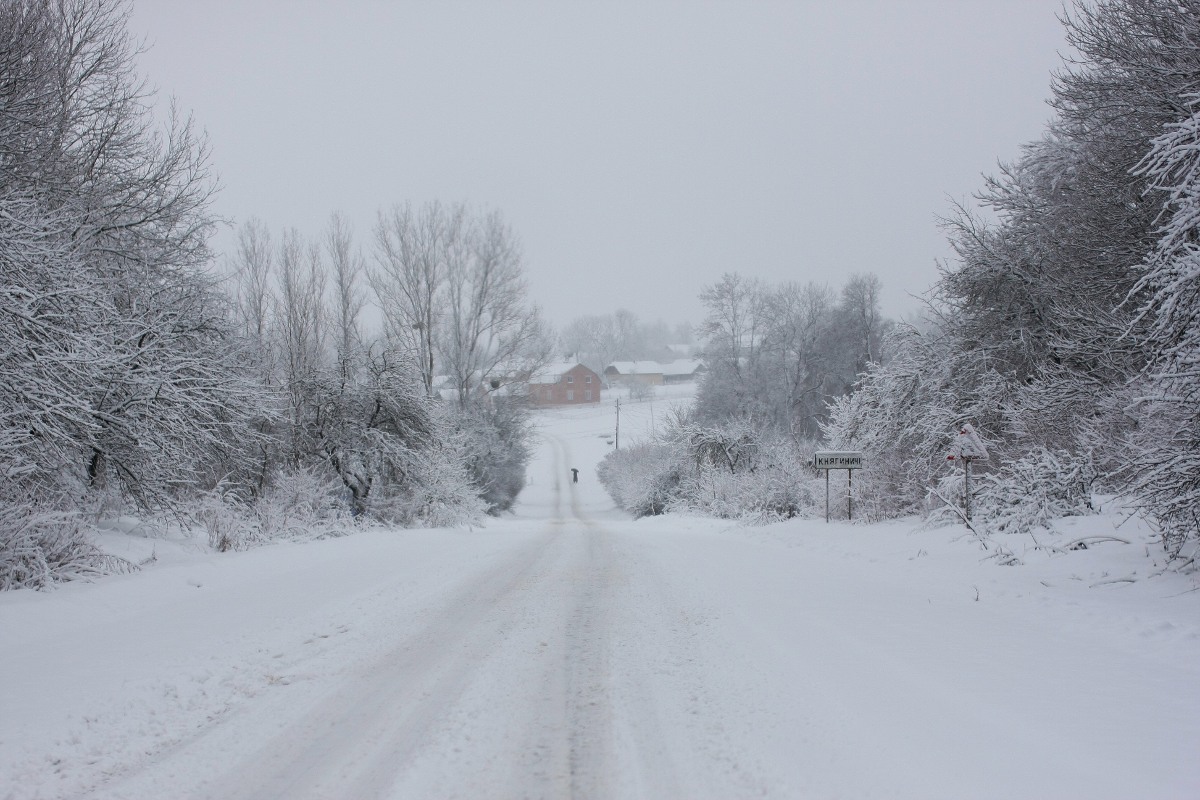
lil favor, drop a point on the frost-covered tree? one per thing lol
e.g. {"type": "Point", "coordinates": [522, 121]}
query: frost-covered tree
{"type": "Point", "coordinates": [252, 273]}
{"type": "Point", "coordinates": [52, 346]}
{"type": "Point", "coordinates": [369, 410]}
{"type": "Point", "coordinates": [1056, 311]}
{"type": "Point", "coordinates": [735, 316]}
{"type": "Point", "coordinates": [413, 248]}
{"type": "Point", "coordinates": [375, 427]}
{"type": "Point", "coordinates": [781, 353]}
{"type": "Point", "coordinates": [732, 469]}
{"type": "Point", "coordinates": [355, 411]}
{"type": "Point", "coordinates": [591, 339]}
{"type": "Point", "coordinates": [1168, 476]}
{"type": "Point", "coordinates": [1052, 291]}
{"type": "Point", "coordinates": [119, 210]}
{"type": "Point", "coordinates": [299, 328]}
{"type": "Point", "coordinates": [490, 331]}
{"type": "Point", "coordinates": [859, 325]}
{"type": "Point", "coordinates": [346, 267]}
{"type": "Point", "coordinates": [735, 319]}
{"type": "Point", "coordinates": [598, 340]}
{"type": "Point", "coordinates": [491, 338]}
{"type": "Point", "coordinates": [907, 408]}
{"type": "Point", "coordinates": [453, 294]}
{"type": "Point", "coordinates": [123, 378]}
{"type": "Point", "coordinates": [452, 290]}
{"type": "Point", "coordinates": [802, 362]}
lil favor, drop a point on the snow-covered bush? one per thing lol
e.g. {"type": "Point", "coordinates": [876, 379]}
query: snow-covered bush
{"type": "Point", "coordinates": [779, 486]}
{"type": "Point", "coordinates": [725, 471]}
{"type": "Point", "coordinates": [1166, 472]}
{"type": "Point", "coordinates": [230, 524]}
{"type": "Point", "coordinates": [639, 390]}
{"type": "Point", "coordinates": [732, 446]}
{"type": "Point", "coordinates": [1020, 496]}
{"type": "Point", "coordinates": [1028, 492]}
{"type": "Point", "coordinates": [39, 548]}
{"type": "Point", "coordinates": [642, 479]}
{"type": "Point", "coordinates": [904, 414]}
{"type": "Point", "coordinates": [944, 503]}
{"type": "Point", "coordinates": [441, 493]}
{"type": "Point", "coordinates": [298, 504]}
{"type": "Point", "coordinates": [496, 442]}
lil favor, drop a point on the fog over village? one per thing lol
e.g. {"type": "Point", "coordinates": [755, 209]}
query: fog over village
{"type": "Point", "coordinates": [638, 400]}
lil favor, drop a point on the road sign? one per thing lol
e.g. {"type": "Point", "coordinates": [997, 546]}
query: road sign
{"type": "Point", "coordinates": [967, 447]}
{"type": "Point", "coordinates": [838, 459]}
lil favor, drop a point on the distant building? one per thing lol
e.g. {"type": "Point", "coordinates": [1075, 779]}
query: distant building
{"type": "Point", "coordinates": [649, 373]}
{"type": "Point", "coordinates": [683, 370]}
{"type": "Point", "coordinates": [564, 383]}
{"type": "Point", "coordinates": [652, 373]}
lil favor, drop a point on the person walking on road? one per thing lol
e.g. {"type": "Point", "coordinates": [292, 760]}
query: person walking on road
{"type": "Point", "coordinates": [574, 475]}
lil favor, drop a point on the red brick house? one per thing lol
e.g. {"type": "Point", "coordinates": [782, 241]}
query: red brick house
{"type": "Point", "coordinates": [564, 384]}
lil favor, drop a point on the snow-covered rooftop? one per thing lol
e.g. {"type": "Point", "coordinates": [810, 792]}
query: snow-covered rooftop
{"type": "Point", "coordinates": [635, 367]}
{"type": "Point", "coordinates": [552, 373]}
{"type": "Point", "coordinates": [682, 366]}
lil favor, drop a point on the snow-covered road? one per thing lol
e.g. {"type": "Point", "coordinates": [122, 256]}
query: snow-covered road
{"type": "Point", "coordinates": [502, 689]}
{"type": "Point", "coordinates": [571, 652]}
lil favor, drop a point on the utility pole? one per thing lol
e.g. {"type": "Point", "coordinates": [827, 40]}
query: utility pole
{"type": "Point", "coordinates": [618, 437]}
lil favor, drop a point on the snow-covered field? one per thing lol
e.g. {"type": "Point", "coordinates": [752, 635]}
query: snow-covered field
{"type": "Point", "coordinates": [568, 651]}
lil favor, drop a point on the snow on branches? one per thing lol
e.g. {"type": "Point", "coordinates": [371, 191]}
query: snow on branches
{"type": "Point", "coordinates": [1167, 480]}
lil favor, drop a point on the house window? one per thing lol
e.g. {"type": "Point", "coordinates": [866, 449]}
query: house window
{"type": "Point", "coordinates": [587, 395]}
{"type": "Point", "coordinates": [587, 379]}
{"type": "Point", "coordinates": [570, 379]}
{"type": "Point", "coordinates": [570, 395]}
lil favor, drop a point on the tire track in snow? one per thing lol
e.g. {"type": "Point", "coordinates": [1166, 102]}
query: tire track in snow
{"type": "Point", "coordinates": [506, 690]}
{"type": "Point", "coordinates": [557, 461]}
{"type": "Point", "coordinates": [357, 739]}
{"type": "Point", "coordinates": [586, 655]}
{"type": "Point", "coordinates": [616, 739]}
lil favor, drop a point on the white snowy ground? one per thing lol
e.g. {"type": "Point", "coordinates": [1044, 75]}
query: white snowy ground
{"type": "Point", "coordinates": [570, 652]}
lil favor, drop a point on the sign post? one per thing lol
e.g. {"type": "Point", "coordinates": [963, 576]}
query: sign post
{"type": "Point", "coordinates": [848, 460]}
{"type": "Point", "coordinates": [618, 436]}
{"type": "Point", "coordinates": [967, 447]}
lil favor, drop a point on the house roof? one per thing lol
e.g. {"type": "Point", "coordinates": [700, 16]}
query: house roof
{"type": "Point", "coordinates": [682, 366]}
{"type": "Point", "coordinates": [552, 373]}
{"type": "Point", "coordinates": [635, 367]}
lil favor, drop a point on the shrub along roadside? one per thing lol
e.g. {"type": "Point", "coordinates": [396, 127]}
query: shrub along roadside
{"type": "Point", "coordinates": [730, 470]}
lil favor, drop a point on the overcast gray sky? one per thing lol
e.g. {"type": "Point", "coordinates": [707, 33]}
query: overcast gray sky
{"type": "Point", "coordinates": [638, 149]}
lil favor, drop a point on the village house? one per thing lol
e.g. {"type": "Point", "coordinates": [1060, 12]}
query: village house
{"type": "Point", "coordinates": [564, 383]}
{"type": "Point", "coordinates": [652, 373]}
{"type": "Point", "coordinates": [648, 373]}
{"type": "Point", "coordinates": [683, 370]}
